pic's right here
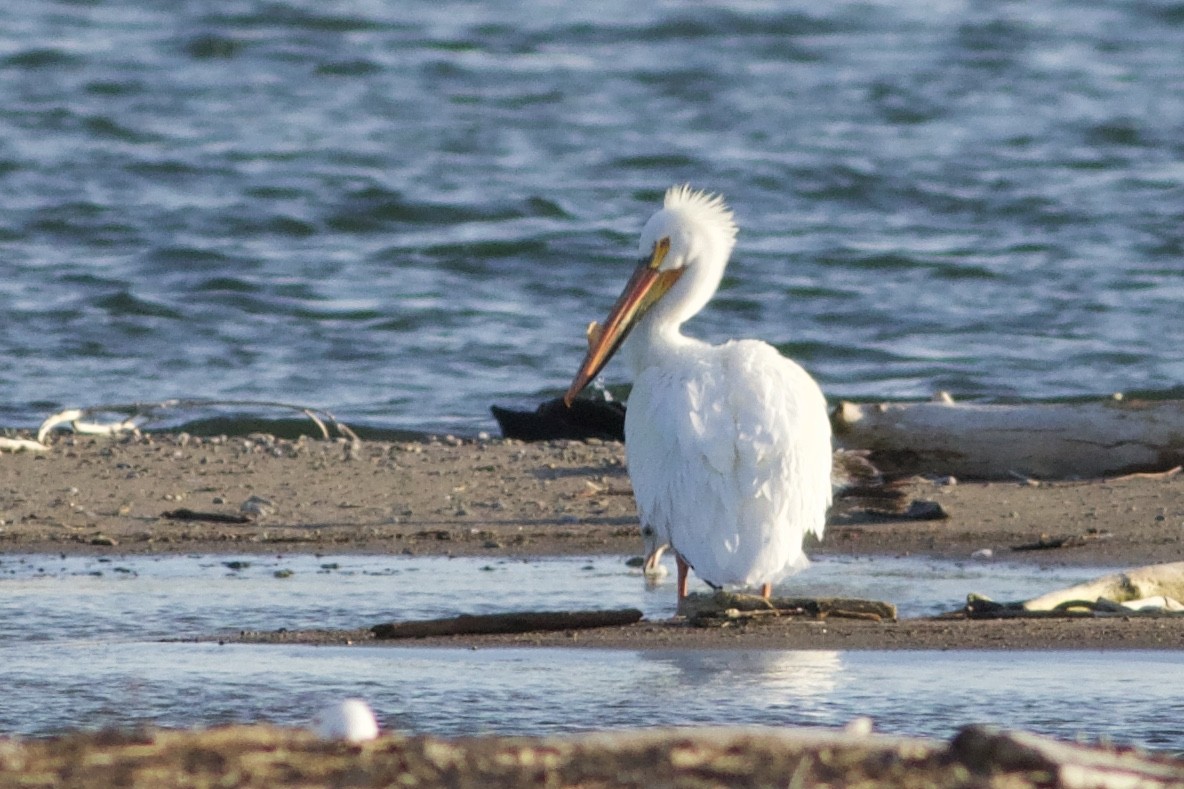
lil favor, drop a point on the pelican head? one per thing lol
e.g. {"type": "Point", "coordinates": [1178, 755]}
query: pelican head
{"type": "Point", "coordinates": [684, 248]}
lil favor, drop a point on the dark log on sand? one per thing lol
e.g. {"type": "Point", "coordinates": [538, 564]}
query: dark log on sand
{"type": "Point", "coordinates": [186, 514]}
{"type": "Point", "coordinates": [1044, 441]}
{"type": "Point", "coordinates": [720, 608]}
{"type": "Point", "coordinates": [553, 420]}
{"type": "Point", "coordinates": [518, 622]}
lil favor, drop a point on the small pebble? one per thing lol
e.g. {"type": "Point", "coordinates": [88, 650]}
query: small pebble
{"type": "Point", "coordinates": [257, 505]}
{"type": "Point", "coordinates": [982, 553]}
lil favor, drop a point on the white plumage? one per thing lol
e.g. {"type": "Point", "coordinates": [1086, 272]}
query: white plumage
{"type": "Point", "coordinates": [728, 446]}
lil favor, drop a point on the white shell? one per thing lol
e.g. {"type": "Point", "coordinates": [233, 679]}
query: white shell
{"type": "Point", "coordinates": [350, 720]}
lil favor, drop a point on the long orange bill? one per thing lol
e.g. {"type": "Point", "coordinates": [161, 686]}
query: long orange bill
{"type": "Point", "coordinates": [645, 287]}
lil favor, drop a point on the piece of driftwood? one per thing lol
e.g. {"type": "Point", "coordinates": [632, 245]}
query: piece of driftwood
{"type": "Point", "coordinates": [1155, 590]}
{"type": "Point", "coordinates": [1156, 580]}
{"type": "Point", "coordinates": [1047, 542]}
{"type": "Point", "coordinates": [21, 445]}
{"type": "Point", "coordinates": [721, 608]}
{"type": "Point", "coordinates": [980, 607]}
{"type": "Point", "coordinates": [986, 750]}
{"type": "Point", "coordinates": [1044, 441]}
{"type": "Point", "coordinates": [514, 622]}
{"type": "Point", "coordinates": [186, 514]}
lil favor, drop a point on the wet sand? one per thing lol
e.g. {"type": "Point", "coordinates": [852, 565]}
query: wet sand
{"type": "Point", "coordinates": [176, 493]}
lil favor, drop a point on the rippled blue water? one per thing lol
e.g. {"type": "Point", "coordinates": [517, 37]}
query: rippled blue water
{"type": "Point", "coordinates": [405, 212]}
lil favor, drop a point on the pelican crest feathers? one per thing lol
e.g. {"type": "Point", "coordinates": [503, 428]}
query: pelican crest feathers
{"type": "Point", "coordinates": [705, 207]}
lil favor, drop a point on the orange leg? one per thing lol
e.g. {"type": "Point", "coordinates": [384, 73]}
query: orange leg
{"type": "Point", "coordinates": [766, 591]}
{"type": "Point", "coordinates": [683, 567]}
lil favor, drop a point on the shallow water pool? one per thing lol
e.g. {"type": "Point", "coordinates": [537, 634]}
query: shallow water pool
{"type": "Point", "coordinates": [45, 596]}
{"type": "Point", "coordinates": [79, 648]}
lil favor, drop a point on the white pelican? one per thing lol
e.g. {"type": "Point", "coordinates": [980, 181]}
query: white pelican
{"type": "Point", "coordinates": [728, 445]}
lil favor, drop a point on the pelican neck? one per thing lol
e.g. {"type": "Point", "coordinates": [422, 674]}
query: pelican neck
{"type": "Point", "coordinates": [651, 344]}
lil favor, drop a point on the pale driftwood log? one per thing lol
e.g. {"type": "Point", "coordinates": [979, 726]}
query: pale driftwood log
{"type": "Point", "coordinates": [986, 750]}
{"type": "Point", "coordinates": [21, 445]}
{"type": "Point", "coordinates": [1156, 580]}
{"type": "Point", "coordinates": [514, 622]}
{"type": "Point", "coordinates": [1043, 441]}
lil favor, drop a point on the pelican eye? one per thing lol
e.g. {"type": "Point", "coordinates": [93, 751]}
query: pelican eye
{"type": "Point", "coordinates": [661, 249]}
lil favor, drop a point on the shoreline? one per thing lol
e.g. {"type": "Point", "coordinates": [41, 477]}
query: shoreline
{"type": "Point", "coordinates": [507, 499]}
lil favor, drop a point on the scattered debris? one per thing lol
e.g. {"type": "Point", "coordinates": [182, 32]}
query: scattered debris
{"type": "Point", "coordinates": [141, 414]}
{"type": "Point", "coordinates": [917, 510]}
{"type": "Point", "coordinates": [721, 609]}
{"type": "Point", "coordinates": [852, 470]}
{"type": "Point", "coordinates": [1064, 541]}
